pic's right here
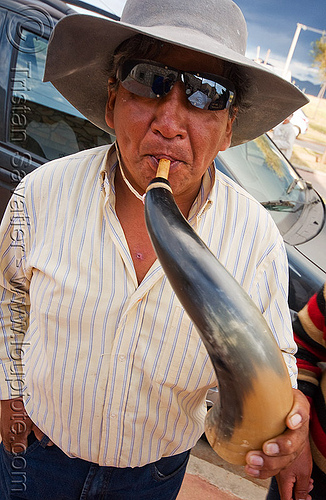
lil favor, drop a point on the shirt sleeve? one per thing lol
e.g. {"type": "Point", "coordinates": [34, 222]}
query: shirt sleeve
{"type": "Point", "coordinates": [271, 296]}
{"type": "Point", "coordinates": [14, 296]}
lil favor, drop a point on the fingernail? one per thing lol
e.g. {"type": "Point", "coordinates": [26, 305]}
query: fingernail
{"type": "Point", "coordinates": [256, 460]}
{"type": "Point", "coordinates": [296, 419]}
{"type": "Point", "coordinates": [272, 449]}
{"type": "Point", "coordinates": [253, 472]}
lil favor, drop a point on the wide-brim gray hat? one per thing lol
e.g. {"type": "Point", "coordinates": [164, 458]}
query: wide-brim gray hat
{"type": "Point", "coordinates": [81, 47]}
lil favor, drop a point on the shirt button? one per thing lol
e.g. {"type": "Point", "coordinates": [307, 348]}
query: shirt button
{"type": "Point", "coordinates": [113, 415]}
{"type": "Point", "coordinates": [121, 357]}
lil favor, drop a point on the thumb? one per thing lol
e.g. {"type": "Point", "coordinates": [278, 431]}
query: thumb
{"type": "Point", "coordinates": [300, 410]}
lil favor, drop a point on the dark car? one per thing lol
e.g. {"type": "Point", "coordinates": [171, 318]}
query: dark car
{"type": "Point", "coordinates": [295, 206]}
{"type": "Point", "coordinates": [37, 124]}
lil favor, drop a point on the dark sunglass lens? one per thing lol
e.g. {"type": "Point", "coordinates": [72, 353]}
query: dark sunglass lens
{"type": "Point", "coordinates": [221, 97]}
{"type": "Point", "coordinates": [150, 79]}
{"type": "Point", "coordinates": [135, 78]}
{"type": "Point", "coordinates": [162, 84]}
{"type": "Point", "coordinates": [147, 79]}
{"type": "Point", "coordinates": [158, 85]}
{"type": "Point", "coordinates": [200, 100]}
{"type": "Point", "coordinates": [170, 81]}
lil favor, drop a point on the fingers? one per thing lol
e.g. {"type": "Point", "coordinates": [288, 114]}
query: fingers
{"type": "Point", "coordinates": [294, 490]}
{"type": "Point", "coordinates": [39, 435]}
{"type": "Point", "coordinates": [262, 466]}
{"type": "Point", "coordinates": [299, 414]}
{"type": "Point", "coordinates": [15, 425]}
{"type": "Point", "coordinates": [295, 482]}
{"type": "Point", "coordinates": [301, 492]}
{"type": "Point", "coordinates": [279, 452]}
{"type": "Point", "coordinates": [285, 483]}
{"type": "Point", "coordinates": [276, 455]}
{"type": "Point", "coordinates": [290, 443]}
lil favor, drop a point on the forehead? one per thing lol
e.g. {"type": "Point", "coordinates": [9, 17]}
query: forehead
{"type": "Point", "coordinates": [189, 60]}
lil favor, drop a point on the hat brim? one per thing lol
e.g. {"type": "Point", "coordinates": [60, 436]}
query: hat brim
{"type": "Point", "coordinates": [81, 46]}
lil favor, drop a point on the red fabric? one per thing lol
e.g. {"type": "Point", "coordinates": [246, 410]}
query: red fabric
{"type": "Point", "coordinates": [317, 433]}
{"type": "Point", "coordinates": [316, 316]}
{"type": "Point", "coordinates": [310, 402]}
{"type": "Point", "coordinates": [308, 366]}
{"type": "Point", "coordinates": [309, 346]}
{"type": "Point", "coordinates": [316, 352]}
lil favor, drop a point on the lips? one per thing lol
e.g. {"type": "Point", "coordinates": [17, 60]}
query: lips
{"type": "Point", "coordinates": [163, 156]}
{"type": "Point", "coordinates": [174, 161]}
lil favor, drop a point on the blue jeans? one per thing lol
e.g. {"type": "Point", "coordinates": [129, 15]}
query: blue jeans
{"type": "Point", "coordinates": [46, 473]}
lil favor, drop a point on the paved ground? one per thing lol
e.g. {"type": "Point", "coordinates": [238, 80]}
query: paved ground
{"type": "Point", "coordinates": [320, 148]}
{"type": "Point", "coordinates": [194, 487]}
{"type": "Point", "coordinates": [211, 478]}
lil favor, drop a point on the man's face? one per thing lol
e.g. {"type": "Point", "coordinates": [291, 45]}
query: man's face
{"type": "Point", "coordinates": [170, 127]}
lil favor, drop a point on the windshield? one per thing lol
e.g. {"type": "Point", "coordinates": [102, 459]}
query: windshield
{"type": "Point", "coordinates": [263, 171]}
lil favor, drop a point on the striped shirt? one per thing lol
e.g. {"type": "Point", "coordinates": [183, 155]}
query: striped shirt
{"type": "Point", "coordinates": [112, 371]}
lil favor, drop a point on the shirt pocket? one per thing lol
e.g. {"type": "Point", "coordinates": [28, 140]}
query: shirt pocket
{"type": "Point", "coordinates": [184, 361]}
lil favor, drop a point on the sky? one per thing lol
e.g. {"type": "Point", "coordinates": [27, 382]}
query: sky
{"type": "Point", "coordinates": [271, 27]}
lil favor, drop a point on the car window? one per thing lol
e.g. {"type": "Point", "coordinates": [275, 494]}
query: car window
{"type": "Point", "coordinates": [2, 18]}
{"type": "Point", "coordinates": [42, 121]}
{"type": "Point", "coordinates": [263, 171]}
{"type": "Point", "coordinates": [260, 168]}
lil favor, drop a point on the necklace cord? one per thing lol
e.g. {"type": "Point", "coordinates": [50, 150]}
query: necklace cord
{"type": "Point", "coordinates": [131, 188]}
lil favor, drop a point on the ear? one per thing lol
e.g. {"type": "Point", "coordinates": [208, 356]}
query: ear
{"type": "Point", "coordinates": [228, 132]}
{"type": "Point", "coordinates": [109, 109]}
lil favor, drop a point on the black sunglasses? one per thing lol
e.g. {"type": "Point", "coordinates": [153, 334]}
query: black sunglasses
{"type": "Point", "coordinates": [154, 80]}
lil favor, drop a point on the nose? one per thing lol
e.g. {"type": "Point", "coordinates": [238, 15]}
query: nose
{"type": "Point", "coordinates": [171, 114]}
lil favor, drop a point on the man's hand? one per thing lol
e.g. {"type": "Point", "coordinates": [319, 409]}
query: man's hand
{"type": "Point", "coordinates": [15, 426]}
{"type": "Point", "coordinates": [278, 453]}
{"type": "Point", "coordinates": [293, 480]}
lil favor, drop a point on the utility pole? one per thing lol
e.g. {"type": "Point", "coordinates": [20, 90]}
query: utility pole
{"type": "Point", "coordinates": [294, 42]}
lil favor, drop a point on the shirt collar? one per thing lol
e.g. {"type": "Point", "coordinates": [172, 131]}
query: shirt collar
{"type": "Point", "coordinates": [107, 174]}
{"type": "Point", "coordinates": [204, 199]}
